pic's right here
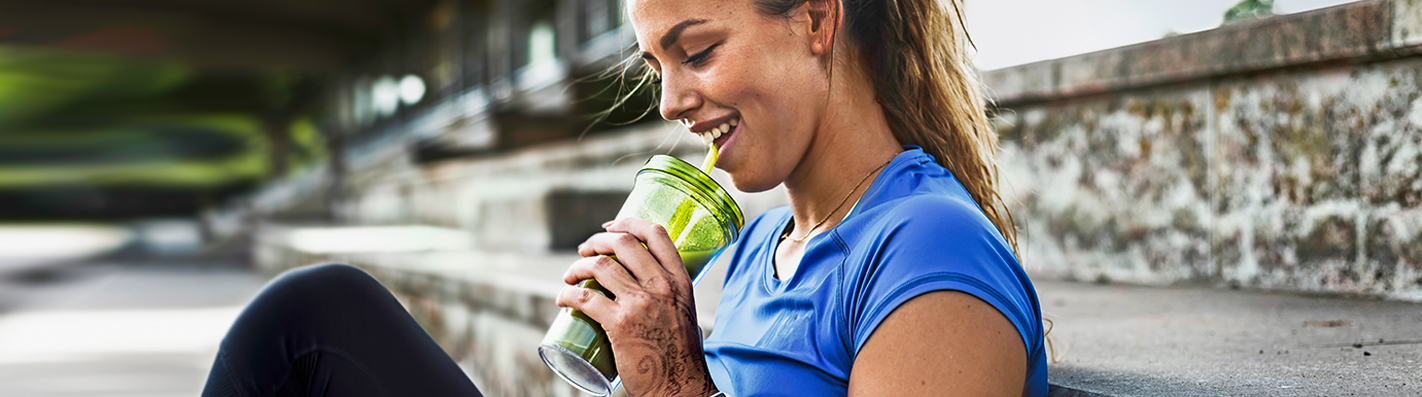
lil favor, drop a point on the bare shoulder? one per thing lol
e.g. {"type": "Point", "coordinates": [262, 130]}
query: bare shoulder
{"type": "Point", "coordinates": [942, 343]}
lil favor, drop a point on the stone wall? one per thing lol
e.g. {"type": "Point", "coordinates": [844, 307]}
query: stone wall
{"type": "Point", "coordinates": [1284, 153]}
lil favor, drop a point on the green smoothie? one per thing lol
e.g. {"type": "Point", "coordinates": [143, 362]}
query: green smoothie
{"type": "Point", "coordinates": [701, 219]}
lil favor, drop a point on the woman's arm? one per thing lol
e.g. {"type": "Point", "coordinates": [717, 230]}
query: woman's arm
{"type": "Point", "coordinates": [943, 343]}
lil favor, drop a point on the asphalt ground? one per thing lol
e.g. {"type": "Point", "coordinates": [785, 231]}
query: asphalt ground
{"type": "Point", "coordinates": [116, 329]}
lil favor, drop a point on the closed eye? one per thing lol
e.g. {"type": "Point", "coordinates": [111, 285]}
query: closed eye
{"type": "Point", "coordinates": [700, 57]}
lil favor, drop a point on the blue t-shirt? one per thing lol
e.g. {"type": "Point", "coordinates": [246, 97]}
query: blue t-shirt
{"type": "Point", "coordinates": [915, 230]}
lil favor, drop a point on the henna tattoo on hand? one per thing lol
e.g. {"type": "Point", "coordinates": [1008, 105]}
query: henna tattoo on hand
{"type": "Point", "coordinates": [671, 343]}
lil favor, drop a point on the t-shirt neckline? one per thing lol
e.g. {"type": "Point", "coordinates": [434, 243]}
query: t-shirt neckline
{"type": "Point", "coordinates": [775, 284]}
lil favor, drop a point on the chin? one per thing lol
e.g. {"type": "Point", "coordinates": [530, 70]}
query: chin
{"type": "Point", "coordinates": [752, 183]}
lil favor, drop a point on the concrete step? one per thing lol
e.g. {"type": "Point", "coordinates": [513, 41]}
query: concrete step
{"type": "Point", "coordinates": [546, 197]}
{"type": "Point", "coordinates": [489, 310]}
{"type": "Point", "coordinates": [439, 263]}
{"type": "Point", "coordinates": [1123, 340]}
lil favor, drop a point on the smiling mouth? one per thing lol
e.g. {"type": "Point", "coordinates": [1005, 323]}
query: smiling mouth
{"type": "Point", "coordinates": [713, 134]}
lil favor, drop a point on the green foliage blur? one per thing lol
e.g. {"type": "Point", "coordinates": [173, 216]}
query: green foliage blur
{"type": "Point", "coordinates": [1249, 9]}
{"type": "Point", "coordinates": [84, 118]}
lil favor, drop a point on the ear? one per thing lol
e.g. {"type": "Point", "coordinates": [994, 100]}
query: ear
{"type": "Point", "coordinates": [825, 18]}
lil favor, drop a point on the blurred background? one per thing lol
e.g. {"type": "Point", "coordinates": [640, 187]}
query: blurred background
{"type": "Point", "coordinates": [161, 159]}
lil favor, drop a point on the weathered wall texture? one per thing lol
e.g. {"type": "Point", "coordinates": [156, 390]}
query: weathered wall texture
{"type": "Point", "coordinates": [1301, 175]}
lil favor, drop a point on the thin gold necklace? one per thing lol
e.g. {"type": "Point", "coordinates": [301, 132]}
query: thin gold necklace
{"type": "Point", "coordinates": [791, 229]}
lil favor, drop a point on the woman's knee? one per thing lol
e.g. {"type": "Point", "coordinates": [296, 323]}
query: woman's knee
{"type": "Point", "coordinates": [322, 282]}
{"type": "Point", "coordinates": [298, 308]}
{"type": "Point", "coordinates": [323, 274]}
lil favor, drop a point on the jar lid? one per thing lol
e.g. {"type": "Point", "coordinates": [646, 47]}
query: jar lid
{"type": "Point", "coordinates": [702, 183]}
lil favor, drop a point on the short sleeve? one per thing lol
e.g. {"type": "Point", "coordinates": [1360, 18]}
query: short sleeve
{"type": "Point", "coordinates": [935, 243]}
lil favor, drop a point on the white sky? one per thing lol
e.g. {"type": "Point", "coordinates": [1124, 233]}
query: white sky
{"type": "Point", "coordinates": [1015, 32]}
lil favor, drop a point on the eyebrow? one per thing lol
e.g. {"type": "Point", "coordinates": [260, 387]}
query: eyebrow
{"type": "Point", "coordinates": [675, 32]}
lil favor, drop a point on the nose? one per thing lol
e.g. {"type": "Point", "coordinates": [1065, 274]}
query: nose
{"type": "Point", "coordinates": [679, 96]}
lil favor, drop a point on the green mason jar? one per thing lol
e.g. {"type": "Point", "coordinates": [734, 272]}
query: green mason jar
{"type": "Point", "coordinates": [701, 219]}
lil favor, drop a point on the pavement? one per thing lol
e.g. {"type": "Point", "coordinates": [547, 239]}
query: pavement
{"type": "Point", "coordinates": [116, 329]}
{"type": "Point", "coordinates": [1120, 340]}
{"type": "Point", "coordinates": [124, 329]}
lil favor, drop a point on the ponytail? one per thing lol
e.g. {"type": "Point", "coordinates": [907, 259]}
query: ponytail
{"type": "Point", "coordinates": [916, 53]}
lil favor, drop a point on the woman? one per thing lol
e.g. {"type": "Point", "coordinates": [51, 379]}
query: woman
{"type": "Point", "coordinates": [891, 273]}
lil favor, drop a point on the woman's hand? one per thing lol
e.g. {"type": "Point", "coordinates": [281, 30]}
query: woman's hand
{"type": "Point", "coordinates": [652, 322]}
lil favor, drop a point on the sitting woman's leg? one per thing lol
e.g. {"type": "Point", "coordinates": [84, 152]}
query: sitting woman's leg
{"type": "Point", "coordinates": [331, 330]}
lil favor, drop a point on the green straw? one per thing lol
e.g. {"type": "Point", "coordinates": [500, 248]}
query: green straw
{"type": "Point", "coordinates": [676, 226]}
{"type": "Point", "coordinates": [710, 162]}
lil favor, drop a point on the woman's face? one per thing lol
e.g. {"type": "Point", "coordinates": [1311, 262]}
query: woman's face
{"type": "Point", "coordinates": [722, 62]}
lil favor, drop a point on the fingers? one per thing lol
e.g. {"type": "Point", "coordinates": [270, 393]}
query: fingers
{"type": "Point", "coordinates": [592, 303]}
{"type": "Point", "coordinates": [655, 236]}
{"type": "Point", "coordinates": [606, 270]}
{"type": "Point", "coordinates": [629, 251]}
{"type": "Point", "coordinates": [586, 250]}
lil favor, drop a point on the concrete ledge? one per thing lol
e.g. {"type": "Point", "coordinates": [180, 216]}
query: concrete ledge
{"type": "Point", "coordinates": [430, 262]}
{"type": "Point", "coordinates": [520, 200]}
{"type": "Point", "coordinates": [1366, 30]}
{"type": "Point", "coordinates": [1054, 390]}
{"type": "Point", "coordinates": [1138, 341]}
{"type": "Point", "coordinates": [489, 311]}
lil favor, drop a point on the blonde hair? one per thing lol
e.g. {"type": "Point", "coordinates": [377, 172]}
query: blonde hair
{"type": "Point", "coordinates": [915, 51]}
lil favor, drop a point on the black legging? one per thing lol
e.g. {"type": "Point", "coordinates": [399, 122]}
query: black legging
{"type": "Point", "coordinates": [331, 330]}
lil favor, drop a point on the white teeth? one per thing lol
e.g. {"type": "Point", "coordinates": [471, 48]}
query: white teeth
{"type": "Point", "coordinates": [711, 135]}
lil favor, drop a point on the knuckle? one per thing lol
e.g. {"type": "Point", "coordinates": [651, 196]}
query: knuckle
{"type": "Point", "coordinates": [604, 262]}
{"type": "Point", "coordinates": [625, 239]}
{"type": "Point", "coordinates": [660, 286]}
{"type": "Point", "coordinates": [585, 295]}
{"type": "Point", "coordinates": [658, 230]}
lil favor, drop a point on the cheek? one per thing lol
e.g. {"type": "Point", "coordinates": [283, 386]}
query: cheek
{"type": "Point", "coordinates": [776, 93]}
